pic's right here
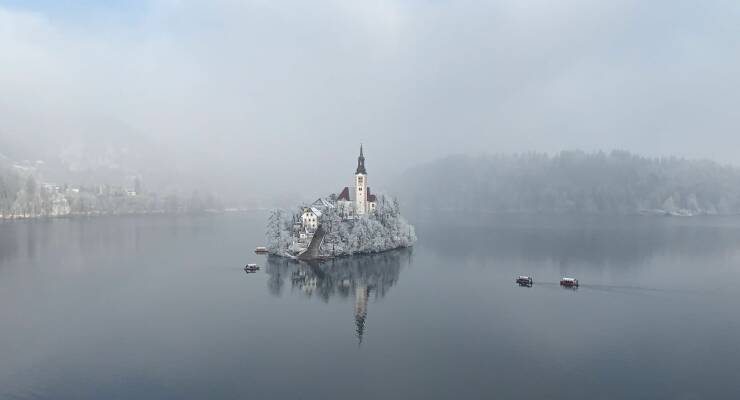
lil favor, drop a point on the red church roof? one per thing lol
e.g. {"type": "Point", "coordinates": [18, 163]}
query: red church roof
{"type": "Point", "coordinates": [370, 197]}
{"type": "Point", "coordinates": [345, 195]}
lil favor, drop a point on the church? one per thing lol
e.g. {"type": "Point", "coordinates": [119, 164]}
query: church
{"type": "Point", "coordinates": [351, 202]}
{"type": "Point", "coordinates": [357, 199]}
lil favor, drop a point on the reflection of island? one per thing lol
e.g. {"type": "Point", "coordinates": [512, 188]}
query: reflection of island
{"type": "Point", "coordinates": [361, 276]}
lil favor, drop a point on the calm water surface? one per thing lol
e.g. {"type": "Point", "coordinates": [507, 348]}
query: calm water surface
{"type": "Point", "coordinates": [159, 308]}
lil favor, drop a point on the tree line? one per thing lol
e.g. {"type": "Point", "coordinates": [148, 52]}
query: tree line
{"type": "Point", "coordinates": [346, 233]}
{"type": "Point", "coordinates": [617, 182]}
{"type": "Point", "coordinates": [24, 196]}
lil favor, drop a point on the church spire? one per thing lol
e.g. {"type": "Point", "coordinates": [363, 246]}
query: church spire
{"type": "Point", "coordinates": [361, 163]}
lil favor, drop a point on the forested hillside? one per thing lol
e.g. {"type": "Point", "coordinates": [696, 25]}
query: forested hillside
{"type": "Point", "coordinates": [572, 182]}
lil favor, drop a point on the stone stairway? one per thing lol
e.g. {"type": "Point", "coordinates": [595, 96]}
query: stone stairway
{"type": "Point", "coordinates": [312, 251]}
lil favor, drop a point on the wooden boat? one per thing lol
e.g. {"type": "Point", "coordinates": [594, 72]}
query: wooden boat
{"type": "Point", "coordinates": [569, 282]}
{"type": "Point", "coordinates": [260, 250]}
{"type": "Point", "coordinates": [251, 268]}
{"type": "Point", "coordinates": [525, 281]}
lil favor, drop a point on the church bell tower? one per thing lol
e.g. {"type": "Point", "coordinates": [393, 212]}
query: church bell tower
{"type": "Point", "coordinates": [361, 185]}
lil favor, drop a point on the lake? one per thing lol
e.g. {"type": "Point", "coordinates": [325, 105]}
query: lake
{"type": "Point", "coordinates": [160, 308]}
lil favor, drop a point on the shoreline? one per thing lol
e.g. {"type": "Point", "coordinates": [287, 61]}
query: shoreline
{"type": "Point", "coordinates": [127, 214]}
{"type": "Point", "coordinates": [324, 258]}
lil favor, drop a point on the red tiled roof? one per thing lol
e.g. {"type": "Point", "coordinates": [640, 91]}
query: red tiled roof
{"type": "Point", "coordinates": [344, 195]}
{"type": "Point", "coordinates": [370, 197]}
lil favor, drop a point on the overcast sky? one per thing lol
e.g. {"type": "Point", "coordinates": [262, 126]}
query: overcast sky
{"type": "Point", "coordinates": [247, 92]}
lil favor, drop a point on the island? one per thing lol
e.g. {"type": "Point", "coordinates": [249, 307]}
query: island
{"type": "Point", "coordinates": [355, 221]}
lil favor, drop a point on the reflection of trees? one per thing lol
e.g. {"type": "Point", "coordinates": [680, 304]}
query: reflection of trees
{"type": "Point", "coordinates": [363, 277]}
{"type": "Point", "coordinates": [599, 241]}
{"type": "Point", "coordinates": [337, 277]}
{"type": "Point", "coordinates": [8, 241]}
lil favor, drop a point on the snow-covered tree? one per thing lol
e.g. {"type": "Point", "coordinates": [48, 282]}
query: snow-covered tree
{"type": "Point", "coordinates": [345, 233]}
{"type": "Point", "coordinates": [618, 182]}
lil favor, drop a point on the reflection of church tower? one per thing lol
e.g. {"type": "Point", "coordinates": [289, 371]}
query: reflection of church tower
{"type": "Point", "coordinates": [361, 294]}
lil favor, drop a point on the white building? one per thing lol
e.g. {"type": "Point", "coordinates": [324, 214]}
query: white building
{"type": "Point", "coordinates": [355, 200]}
{"type": "Point", "coordinates": [311, 214]}
{"type": "Point", "coordinates": [358, 197]}
{"type": "Point", "coordinates": [310, 218]}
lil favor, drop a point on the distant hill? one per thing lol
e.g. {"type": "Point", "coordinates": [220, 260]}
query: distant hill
{"type": "Point", "coordinates": [94, 151]}
{"type": "Point", "coordinates": [572, 182]}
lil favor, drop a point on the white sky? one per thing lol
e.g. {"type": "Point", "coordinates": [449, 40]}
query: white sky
{"type": "Point", "coordinates": [253, 93]}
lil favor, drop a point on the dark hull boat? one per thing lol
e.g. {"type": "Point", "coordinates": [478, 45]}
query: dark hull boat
{"type": "Point", "coordinates": [569, 282]}
{"type": "Point", "coordinates": [525, 281]}
{"type": "Point", "coordinates": [252, 268]}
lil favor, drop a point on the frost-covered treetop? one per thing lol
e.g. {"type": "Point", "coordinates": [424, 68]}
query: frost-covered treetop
{"type": "Point", "coordinates": [345, 233]}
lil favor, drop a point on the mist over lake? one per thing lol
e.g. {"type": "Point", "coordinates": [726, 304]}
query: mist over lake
{"type": "Point", "coordinates": [155, 308]}
{"type": "Point", "coordinates": [387, 199]}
